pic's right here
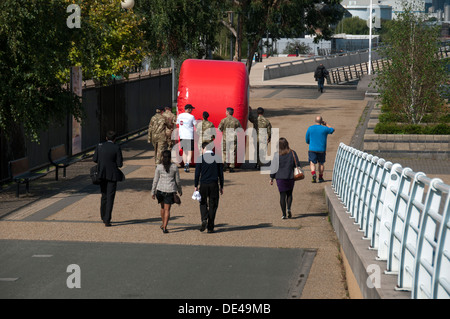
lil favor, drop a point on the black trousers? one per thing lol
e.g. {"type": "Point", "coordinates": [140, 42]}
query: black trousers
{"type": "Point", "coordinates": [209, 203]}
{"type": "Point", "coordinates": [108, 190]}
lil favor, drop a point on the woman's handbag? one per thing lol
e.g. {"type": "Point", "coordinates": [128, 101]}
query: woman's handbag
{"type": "Point", "coordinates": [298, 172]}
{"type": "Point", "coordinates": [176, 199]}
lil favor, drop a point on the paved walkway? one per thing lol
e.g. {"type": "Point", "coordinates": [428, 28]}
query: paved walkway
{"type": "Point", "coordinates": [66, 214]}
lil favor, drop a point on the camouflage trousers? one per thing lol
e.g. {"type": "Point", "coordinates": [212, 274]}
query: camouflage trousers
{"type": "Point", "coordinates": [229, 156]}
{"type": "Point", "coordinates": [261, 151]}
{"type": "Point", "coordinates": [159, 148]}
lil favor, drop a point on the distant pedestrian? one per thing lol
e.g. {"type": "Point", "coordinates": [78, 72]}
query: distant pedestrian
{"type": "Point", "coordinates": [320, 74]}
{"type": "Point", "coordinates": [166, 184]}
{"type": "Point", "coordinates": [282, 170]}
{"type": "Point", "coordinates": [263, 129]}
{"type": "Point", "coordinates": [229, 151]}
{"type": "Point", "coordinates": [316, 137]}
{"type": "Point", "coordinates": [209, 173]}
{"type": "Point", "coordinates": [157, 134]}
{"type": "Point", "coordinates": [109, 158]}
{"type": "Point", "coordinates": [186, 122]}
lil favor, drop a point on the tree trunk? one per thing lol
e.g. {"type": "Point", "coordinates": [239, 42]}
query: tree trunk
{"type": "Point", "coordinates": [251, 53]}
{"type": "Point", "coordinates": [238, 40]}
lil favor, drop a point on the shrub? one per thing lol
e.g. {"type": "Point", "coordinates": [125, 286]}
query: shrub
{"type": "Point", "coordinates": [395, 128]}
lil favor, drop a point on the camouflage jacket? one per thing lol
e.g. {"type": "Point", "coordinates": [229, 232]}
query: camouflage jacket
{"type": "Point", "coordinates": [157, 129]}
{"type": "Point", "coordinates": [261, 122]}
{"type": "Point", "coordinates": [228, 122]}
{"type": "Point", "coordinates": [171, 121]}
{"type": "Point", "coordinates": [207, 130]}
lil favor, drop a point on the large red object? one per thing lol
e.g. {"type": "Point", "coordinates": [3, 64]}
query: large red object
{"type": "Point", "coordinates": [212, 86]}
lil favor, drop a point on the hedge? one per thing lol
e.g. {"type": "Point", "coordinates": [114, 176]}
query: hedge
{"type": "Point", "coordinates": [396, 128]}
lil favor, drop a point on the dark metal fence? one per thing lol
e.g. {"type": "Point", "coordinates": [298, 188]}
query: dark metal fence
{"type": "Point", "coordinates": [125, 107]}
{"type": "Point", "coordinates": [353, 72]}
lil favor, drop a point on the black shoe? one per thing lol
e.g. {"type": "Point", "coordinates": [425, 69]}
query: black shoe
{"type": "Point", "coordinates": [289, 214]}
{"type": "Point", "coordinates": [231, 170]}
{"type": "Point", "coordinates": [203, 227]}
{"type": "Point", "coordinates": [210, 231]}
{"type": "Point", "coordinates": [314, 179]}
{"type": "Point", "coordinates": [107, 224]}
{"type": "Point", "coordinates": [321, 180]}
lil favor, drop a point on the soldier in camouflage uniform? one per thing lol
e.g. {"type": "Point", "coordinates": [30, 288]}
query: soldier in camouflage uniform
{"type": "Point", "coordinates": [157, 134]}
{"type": "Point", "coordinates": [171, 120]}
{"type": "Point", "coordinates": [263, 129]}
{"type": "Point", "coordinates": [231, 123]}
{"type": "Point", "coordinates": [206, 129]}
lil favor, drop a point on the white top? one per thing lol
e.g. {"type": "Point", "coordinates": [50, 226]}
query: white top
{"type": "Point", "coordinates": [186, 122]}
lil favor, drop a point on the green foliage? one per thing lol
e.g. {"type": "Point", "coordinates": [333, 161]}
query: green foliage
{"type": "Point", "coordinates": [284, 18]}
{"type": "Point", "coordinates": [35, 43]}
{"type": "Point", "coordinates": [109, 42]}
{"type": "Point", "coordinates": [395, 128]}
{"type": "Point", "coordinates": [410, 86]}
{"type": "Point", "coordinates": [291, 48]}
{"type": "Point", "coordinates": [353, 25]}
{"type": "Point", "coordinates": [173, 28]}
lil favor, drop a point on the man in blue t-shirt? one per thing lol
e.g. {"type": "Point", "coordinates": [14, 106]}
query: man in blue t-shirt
{"type": "Point", "coordinates": [316, 137]}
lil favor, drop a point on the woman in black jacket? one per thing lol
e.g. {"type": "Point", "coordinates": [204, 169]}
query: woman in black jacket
{"type": "Point", "coordinates": [282, 169]}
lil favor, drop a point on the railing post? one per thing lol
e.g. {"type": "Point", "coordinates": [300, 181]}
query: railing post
{"type": "Point", "coordinates": [410, 233]}
{"type": "Point", "coordinates": [371, 193]}
{"type": "Point", "coordinates": [399, 216]}
{"type": "Point", "coordinates": [374, 228]}
{"type": "Point", "coordinates": [426, 244]}
{"type": "Point", "coordinates": [387, 214]}
{"type": "Point", "coordinates": [441, 276]}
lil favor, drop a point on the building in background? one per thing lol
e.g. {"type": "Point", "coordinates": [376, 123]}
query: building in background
{"type": "Point", "coordinates": [360, 8]}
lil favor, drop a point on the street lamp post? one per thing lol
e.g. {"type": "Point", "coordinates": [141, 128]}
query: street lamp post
{"type": "Point", "coordinates": [127, 4]}
{"type": "Point", "coordinates": [370, 38]}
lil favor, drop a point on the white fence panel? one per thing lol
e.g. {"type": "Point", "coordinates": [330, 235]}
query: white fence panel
{"type": "Point", "coordinates": [441, 282]}
{"type": "Point", "coordinates": [399, 216]}
{"type": "Point", "coordinates": [411, 233]}
{"type": "Point", "coordinates": [387, 214]}
{"type": "Point", "coordinates": [426, 245]}
{"type": "Point", "coordinates": [380, 192]}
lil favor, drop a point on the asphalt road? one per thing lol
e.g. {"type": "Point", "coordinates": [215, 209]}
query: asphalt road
{"type": "Point", "coordinates": [40, 270]}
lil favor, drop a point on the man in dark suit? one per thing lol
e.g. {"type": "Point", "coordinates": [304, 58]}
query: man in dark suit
{"type": "Point", "coordinates": [209, 172]}
{"type": "Point", "coordinates": [108, 156]}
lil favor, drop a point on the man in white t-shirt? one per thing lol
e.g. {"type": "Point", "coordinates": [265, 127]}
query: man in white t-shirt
{"type": "Point", "coordinates": [186, 122]}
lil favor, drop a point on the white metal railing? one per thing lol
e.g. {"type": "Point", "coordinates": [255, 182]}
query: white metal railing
{"type": "Point", "coordinates": [405, 215]}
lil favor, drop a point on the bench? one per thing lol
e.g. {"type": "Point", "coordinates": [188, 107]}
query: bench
{"type": "Point", "coordinates": [58, 157]}
{"type": "Point", "coordinates": [20, 173]}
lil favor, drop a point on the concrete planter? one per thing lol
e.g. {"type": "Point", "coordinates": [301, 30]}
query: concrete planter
{"type": "Point", "coordinates": [404, 145]}
{"type": "Point", "coordinates": [408, 145]}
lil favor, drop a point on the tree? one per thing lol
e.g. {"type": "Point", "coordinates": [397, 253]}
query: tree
{"type": "Point", "coordinates": [292, 48]}
{"type": "Point", "coordinates": [35, 43]}
{"type": "Point", "coordinates": [287, 18]}
{"type": "Point", "coordinates": [353, 25]}
{"type": "Point", "coordinates": [410, 86]}
{"type": "Point", "coordinates": [109, 42]}
{"type": "Point", "coordinates": [177, 28]}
